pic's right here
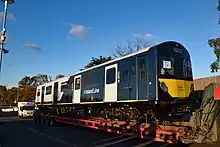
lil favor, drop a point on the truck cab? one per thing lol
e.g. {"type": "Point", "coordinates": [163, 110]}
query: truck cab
{"type": "Point", "coordinates": [25, 109]}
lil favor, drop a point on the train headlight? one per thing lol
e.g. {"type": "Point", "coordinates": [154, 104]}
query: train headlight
{"type": "Point", "coordinates": [164, 87]}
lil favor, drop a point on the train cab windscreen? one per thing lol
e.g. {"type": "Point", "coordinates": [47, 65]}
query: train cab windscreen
{"type": "Point", "coordinates": [174, 64]}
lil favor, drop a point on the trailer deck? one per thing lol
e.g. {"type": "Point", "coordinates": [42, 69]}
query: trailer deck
{"type": "Point", "coordinates": [159, 133]}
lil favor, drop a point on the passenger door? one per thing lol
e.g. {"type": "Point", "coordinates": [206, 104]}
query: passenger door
{"type": "Point", "coordinates": [142, 78]}
{"type": "Point", "coordinates": [42, 94]}
{"type": "Point", "coordinates": [111, 83]}
{"type": "Point", "coordinates": [77, 89]}
{"type": "Point", "coordinates": [55, 92]}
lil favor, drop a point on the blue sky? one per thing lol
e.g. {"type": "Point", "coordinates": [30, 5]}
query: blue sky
{"type": "Point", "coordinates": [54, 37]}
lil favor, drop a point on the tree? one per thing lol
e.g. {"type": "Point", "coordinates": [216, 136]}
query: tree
{"type": "Point", "coordinates": [10, 96]}
{"type": "Point", "coordinates": [25, 81]}
{"type": "Point", "coordinates": [40, 79]}
{"type": "Point", "coordinates": [25, 91]}
{"type": "Point", "coordinates": [215, 44]}
{"type": "Point", "coordinates": [35, 80]}
{"type": "Point", "coordinates": [27, 88]}
{"type": "Point", "coordinates": [3, 88]}
{"type": "Point", "coordinates": [59, 76]}
{"type": "Point", "coordinates": [97, 61]}
{"type": "Point", "coordinates": [131, 47]}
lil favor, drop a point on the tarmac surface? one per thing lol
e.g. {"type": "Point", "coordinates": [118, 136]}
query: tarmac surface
{"type": "Point", "coordinates": [23, 133]}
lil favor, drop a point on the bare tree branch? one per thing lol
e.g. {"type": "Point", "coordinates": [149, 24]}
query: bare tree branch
{"type": "Point", "coordinates": [131, 47]}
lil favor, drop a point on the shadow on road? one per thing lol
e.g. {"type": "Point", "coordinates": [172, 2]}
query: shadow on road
{"type": "Point", "coordinates": [8, 114]}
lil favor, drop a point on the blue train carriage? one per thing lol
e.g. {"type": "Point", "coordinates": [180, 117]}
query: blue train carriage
{"type": "Point", "coordinates": [159, 73]}
{"type": "Point", "coordinates": [150, 79]}
{"type": "Point", "coordinates": [143, 80]}
{"type": "Point", "coordinates": [54, 92]}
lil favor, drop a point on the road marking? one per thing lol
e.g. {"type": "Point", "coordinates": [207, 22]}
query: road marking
{"type": "Point", "coordinates": [107, 139]}
{"type": "Point", "coordinates": [52, 138]}
{"type": "Point", "coordinates": [144, 144]}
{"type": "Point", "coordinates": [164, 145]}
{"type": "Point", "coordinates": [115, 142]}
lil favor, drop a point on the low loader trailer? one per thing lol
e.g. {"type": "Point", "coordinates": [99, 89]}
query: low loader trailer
{"type": "Point", "coordinates": [170, 133]}
{"type": "Point", "coordinates": [202, 127]}
{"type": "Point", "coordinates": [113, 126]}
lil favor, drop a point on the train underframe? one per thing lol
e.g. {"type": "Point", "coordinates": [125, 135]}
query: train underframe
{"type": "Point", "coordinates": [141, 118]}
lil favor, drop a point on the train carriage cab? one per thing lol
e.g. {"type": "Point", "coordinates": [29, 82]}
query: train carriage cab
{"type": "Point", "coordinates": [175, 79]}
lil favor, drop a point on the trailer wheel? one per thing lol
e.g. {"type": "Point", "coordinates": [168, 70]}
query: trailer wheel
{"type": "Point", "coordinates": [52, 121]}
{"type": "Point", "coordinates": [47, 121]}
{"type": "Point", "coordinates": [41, 120]}
{"type": "Point", "coordinates": [38, 119]}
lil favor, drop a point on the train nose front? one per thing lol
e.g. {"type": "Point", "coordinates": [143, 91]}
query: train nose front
{"type": "Point", "coordinates": [179, 89]}
{"type": "Point", "coordinates": [183, 88]}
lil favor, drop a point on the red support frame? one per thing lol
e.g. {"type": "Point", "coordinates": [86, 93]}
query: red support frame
{"type": "Point", "coordinates": [101, 124]}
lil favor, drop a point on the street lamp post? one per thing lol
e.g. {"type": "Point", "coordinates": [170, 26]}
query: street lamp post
{"type": "Point", "coordinates": [3, 35]}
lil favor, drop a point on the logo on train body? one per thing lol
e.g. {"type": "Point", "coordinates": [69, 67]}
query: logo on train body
{"type": "Point", "coordinates": [91, 91]}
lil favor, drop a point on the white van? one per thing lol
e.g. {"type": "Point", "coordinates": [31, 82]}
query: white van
{"type": "Point", "coordinates": [25, 109]}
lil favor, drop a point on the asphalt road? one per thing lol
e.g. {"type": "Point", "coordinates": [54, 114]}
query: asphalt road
{"type": "Point", "coordinates": [22, 133]}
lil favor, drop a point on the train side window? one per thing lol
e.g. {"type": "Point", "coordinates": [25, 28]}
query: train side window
{"type": "Point", "coordinates": [110, 77]}
{"type": "Point", "coordinates": [38, 92]}
{"type": "Point", "coordinates": [64, 87]}
{"type": "Point", "coordinates": [77, 83]}
{"type": "Point", "coordinates": [187, 68]}
{"type": "Point", "coordinates": [142, 68]}
{"type": "Point", "coordinates": [48, 90]}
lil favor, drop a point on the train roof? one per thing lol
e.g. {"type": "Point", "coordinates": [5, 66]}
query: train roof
{"type": "Point", "coordinates": [114, 60]}
{"type": "Point", "coordinates": [126, 56]}
{"type": "Point", "coordinates": [108, 62]}
{"type": "Point", "coordinates": [66, 78]}
{"type": "Point", "coordinates": [111, 61]}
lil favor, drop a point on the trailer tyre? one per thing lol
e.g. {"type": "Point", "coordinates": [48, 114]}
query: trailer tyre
{"type": "Point", "coordinates": [37, 120]}
{"type": "Point", "coordinates": [52, 121]}
{"type": "Point", "coordinates": [41, 120]}
{"type": "Point", "coordinates": [47, 119]}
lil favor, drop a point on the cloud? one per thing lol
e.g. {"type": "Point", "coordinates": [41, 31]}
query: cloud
{"type": "Point", "coordinates": [78, 30]}
{"type": "Point", "coordinates": [147, 35]}
{"type": "Point", "coordinates": [10, 16]}
{"type": "Point", "coordinates": [32, 46]}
